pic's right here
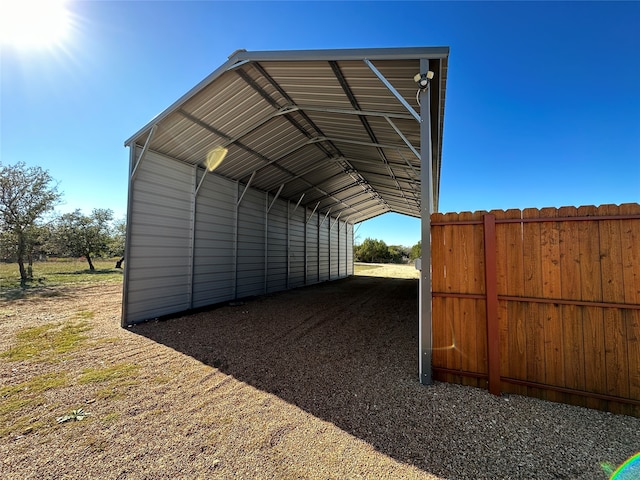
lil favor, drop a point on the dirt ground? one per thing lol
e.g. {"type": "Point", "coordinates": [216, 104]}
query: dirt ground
{"type": "Point", "coordinates": [315, 383]}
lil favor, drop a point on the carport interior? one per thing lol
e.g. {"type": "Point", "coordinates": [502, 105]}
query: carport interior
{"type": "Point", "coordinates": [315, 142]}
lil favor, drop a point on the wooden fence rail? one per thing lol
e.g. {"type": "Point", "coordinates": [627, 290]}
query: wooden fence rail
{"type": "Point", "coordinates": [544, 303]}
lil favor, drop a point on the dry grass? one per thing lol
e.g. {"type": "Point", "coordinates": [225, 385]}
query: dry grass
{"type": "Point", "coordinates": [315, 383]}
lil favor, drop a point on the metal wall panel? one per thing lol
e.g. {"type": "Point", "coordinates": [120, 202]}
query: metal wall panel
{"type": "Point", "coordinates": [214, 246]}
{"type": "Point", "coordinates": [333, 246]}
{"type": "Point", "coordinates": [349, 235]}
{"type": "Point", "coordinates": [342, 248]}
{"type": "Point", "coordinates": [277, 247]}
{"type": "Point", "coordinates": [251, 244]}
{"type": "Point", "coordinates": [158, 259]}
{"type": "Point", "coordinates": [296, 246]}
{"type": "Point", "coordinates": [323, 245]}
{"type": "Point", "coordinates": [312, 248]}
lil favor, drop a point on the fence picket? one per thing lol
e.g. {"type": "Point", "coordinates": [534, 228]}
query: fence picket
{"type": "Point", "coordinates": [592, 317]}
{"type": "Point", "coordinates": [534, 324]}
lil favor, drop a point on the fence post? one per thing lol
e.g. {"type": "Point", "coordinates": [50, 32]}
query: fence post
{"type": "Point", "coordinates": [491, 280]}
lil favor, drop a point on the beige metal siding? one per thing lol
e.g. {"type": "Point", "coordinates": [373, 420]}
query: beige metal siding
{"type": "Point", "coordinates": [214, 253]}
{"type": "Point", "coordinates": [277, 247]}
{"type": "Point", "coordinates": [251, 243]}
{"type": "Point", "coordinates": [296, 247]}
{"type": "Point", "coordinates": [159, 247]}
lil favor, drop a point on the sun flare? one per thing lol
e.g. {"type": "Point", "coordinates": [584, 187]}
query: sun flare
{"type": "Point", "coordinates": [33, 23]}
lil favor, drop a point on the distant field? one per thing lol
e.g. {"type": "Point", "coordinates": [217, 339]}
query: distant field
{"type": "Point", "coordinates": [56, 273]}
{"type": "Point", "coordinates": [391, 270]}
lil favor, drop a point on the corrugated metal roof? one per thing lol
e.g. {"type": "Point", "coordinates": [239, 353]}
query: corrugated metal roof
{"type": "Point", "coordinates": [318, 125]}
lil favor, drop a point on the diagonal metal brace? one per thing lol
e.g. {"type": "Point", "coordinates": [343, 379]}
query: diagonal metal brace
{"type": "Point", "coordinates": [392, 89]}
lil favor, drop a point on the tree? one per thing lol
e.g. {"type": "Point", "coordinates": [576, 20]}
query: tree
{"type": "Point", "coordinates": [416, 251]}
{"type": "Point", "coordinates": [372, 250]}
{"type": "Point", "coordinates": [79, 235]}
{"type": "Point", "coordinates": [118, 238]}
{"type": "Point", "coordinates": [26, 194]}
{"type": "Point", "coordinates": [398, 253]}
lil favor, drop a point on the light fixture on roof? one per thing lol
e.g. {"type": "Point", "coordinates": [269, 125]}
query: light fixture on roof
{"type": "Point", "coordinates": [215, 157]}
{"type": "Point", "coordinates": [423, 80]}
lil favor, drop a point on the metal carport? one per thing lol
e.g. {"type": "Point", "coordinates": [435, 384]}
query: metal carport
{"type": "Point", "coordinates": [316, 142]}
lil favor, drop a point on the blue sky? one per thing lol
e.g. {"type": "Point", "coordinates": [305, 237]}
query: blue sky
{"type": "Point", "coordinates": [542, 108]}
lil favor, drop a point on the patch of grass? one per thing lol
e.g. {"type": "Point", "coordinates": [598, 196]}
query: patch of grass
{"type": "Point", "coordinates": [37, 384]}
{"type": "Point", "coordinates": [26, 395]}
{"type": "Point", "coordinates": [115, 372]}
{"type": "Point", "coordinates": [46, 342]}
{"type": "Point", "coordinates": [111, 418]}
{"type": "Point", "coordinates": [107, 340]}
{"type": "Point", "coordinates": [358, 268]}
{"type": "Point", "coordinates": [55, 273]}
{"type": "Point", "coordinates": [84, 314]}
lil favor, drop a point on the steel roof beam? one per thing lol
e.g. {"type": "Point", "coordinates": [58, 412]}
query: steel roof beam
{"type": "Point", "coordinates": [343, 111]}
{"type": "Point", "coordinates": [358, 142]}
{"type": "Point", "coordinates": [405, 139]}
{"type": "Point", "coordinates": [392, 89]}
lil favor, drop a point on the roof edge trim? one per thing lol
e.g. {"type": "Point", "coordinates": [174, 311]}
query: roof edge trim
{"type": "Point", "coordinates": [396, 53]}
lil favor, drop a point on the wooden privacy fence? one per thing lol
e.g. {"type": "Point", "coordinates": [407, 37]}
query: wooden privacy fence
{"type": "Point", "coordinates": [544, 303]}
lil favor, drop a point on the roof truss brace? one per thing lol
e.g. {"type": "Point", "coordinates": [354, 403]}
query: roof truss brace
{"type": "Point", "coordinates": [331, 225]}
{"type": "Point", "coordinates": [246, 187]}
{"type": "Point", "coordinates": [297, 205]}
{"type": "Point", "coordinates": [314, 211]}
{"type": "Point", "coordinates": [375, 163]}
{"type": "Point", "coordinates": [343, 111]}
{"type": "Point", "coordinates": [275, 198]}
{"type": "Point", "coordinates": [409, 163]}
{"type": "Point", "coordinates": [392, 90]}
{"type": "Point", "coordinates": [357, 142]}
{"type": "Point", "coordinates": [346, 222]}
{"type": "Point", "coordinates": [134, 172]}
{"type": "Point", "coordinates": [405, 139]}
{"type": "Point", "coordinates": [204, 175]}
{"type": "Point", "coordinates": [325, 217]}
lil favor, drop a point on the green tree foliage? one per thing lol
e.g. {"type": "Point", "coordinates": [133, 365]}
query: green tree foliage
{"type": "Point", "coordinates": [398, 254]}
{"type": "Point", "coordinates": [372, 251]}
{"type": "Point", "coordinates": [118, 236]}
{"type": "Point", "coordinates": [26, 195]}
{"type": "Point", "coordinates": [416, 251]}
{"type": "Point", "coordinates": [79, 235]}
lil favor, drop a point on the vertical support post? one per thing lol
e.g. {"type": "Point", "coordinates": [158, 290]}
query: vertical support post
{"type": "Point", "coordinates": [288, 246]}
{"type": "Point", "coordinates": [426, 208]}
{"type": "Point", "coordinates": [306, 263]}
{"type": "Point", "coordinates": [266, 240]}
{"type": "Point", "coordinates": [236, 215]}
{"type": "Point", "coordinates": [192, 233]}
{"type": "Point", "coordinates": [491, 279]}
{"type": "Point", "coordinates": [318, 243]}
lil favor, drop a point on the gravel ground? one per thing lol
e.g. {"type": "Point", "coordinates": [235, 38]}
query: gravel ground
{"type": "Point", "coordinates": [315, 383]}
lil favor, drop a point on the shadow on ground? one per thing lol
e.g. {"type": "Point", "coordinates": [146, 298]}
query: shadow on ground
{"type": "Point", "coordinates": [346, 352]}
{"type": "Point", "coordinates": [340, 350]}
